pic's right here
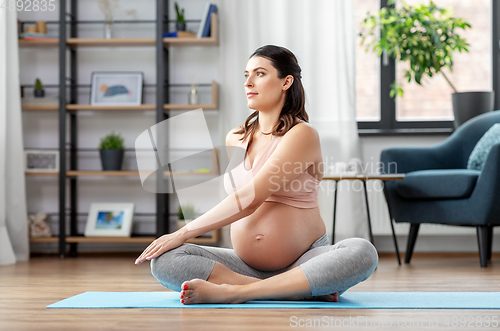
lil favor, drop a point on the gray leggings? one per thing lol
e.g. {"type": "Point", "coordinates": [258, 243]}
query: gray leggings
{"type": "Point", "coordinates": [328, 268]}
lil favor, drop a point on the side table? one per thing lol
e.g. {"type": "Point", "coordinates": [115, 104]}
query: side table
{"type": "Point", "coordinates": [365, 178]}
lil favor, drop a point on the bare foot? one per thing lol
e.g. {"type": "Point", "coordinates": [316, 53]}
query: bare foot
{"type": "Point", "coordinates": [201, 291]}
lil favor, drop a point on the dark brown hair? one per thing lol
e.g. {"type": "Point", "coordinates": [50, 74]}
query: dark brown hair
{"type": "Point", "coordinates": [286, 64]}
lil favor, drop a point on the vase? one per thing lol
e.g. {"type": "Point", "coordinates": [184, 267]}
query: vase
{"type": "Point", "coordinates": [108, 30]}
{"type": "Point", "coordinates": [193, 97]}
{"type": "Point", "coordinates": [111, 159]}
{"type": "Point", "coordinates": [467, 105]}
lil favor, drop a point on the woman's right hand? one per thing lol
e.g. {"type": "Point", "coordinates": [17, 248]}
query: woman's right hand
{"type": "Point", "coordinates": [162, 245]}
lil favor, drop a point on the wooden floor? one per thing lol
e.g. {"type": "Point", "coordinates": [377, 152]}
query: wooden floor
{"type": "Point", "coordinates": [26, 288]}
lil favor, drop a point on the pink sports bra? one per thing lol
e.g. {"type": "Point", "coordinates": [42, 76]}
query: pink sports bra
{"type": "Point", "coordinates": [301, 192]}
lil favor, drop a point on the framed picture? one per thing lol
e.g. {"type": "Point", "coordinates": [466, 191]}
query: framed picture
{"type": "Point", "coordinates": [110, 220]}
{"type": "Point", "coordinates": [36, 160]}
{"type": "Point", "coordinates": [116, 88]}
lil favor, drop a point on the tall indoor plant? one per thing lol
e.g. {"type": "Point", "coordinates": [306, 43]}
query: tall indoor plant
{"type": "Point", "coordinates": [426, 37]}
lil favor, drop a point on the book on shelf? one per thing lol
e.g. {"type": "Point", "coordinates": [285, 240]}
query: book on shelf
{"type": "Point", "coordinates": [204, 29]}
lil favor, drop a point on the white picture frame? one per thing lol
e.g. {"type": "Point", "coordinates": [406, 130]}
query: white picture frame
{"type": "Point", "coordinates": [110, 88]}
{"type": "Point", "coordinates": [36, 160]}
{"type": "Point", "coordinates": [109, 220]}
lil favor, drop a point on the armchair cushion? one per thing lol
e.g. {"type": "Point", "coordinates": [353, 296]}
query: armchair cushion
{"type": "Point", "coordinates": [438, 184]}
{"type": "Point", "coordinates": [480, 152]}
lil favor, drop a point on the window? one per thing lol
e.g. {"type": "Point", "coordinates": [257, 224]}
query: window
{"type": "Point", "coordinates": [367, 69]}
{"type": "Point", "coordinates": [428, 106]}
{"type": "Point", "coordinates": [471, 71]}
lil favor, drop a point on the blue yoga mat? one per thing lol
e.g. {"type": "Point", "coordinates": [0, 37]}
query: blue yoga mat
{"type": "Point", "coordinates": [351, 300]}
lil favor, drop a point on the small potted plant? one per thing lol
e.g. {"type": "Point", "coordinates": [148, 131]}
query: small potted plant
{"type": "Point", "coordinates": [186, 214]}
{"type": "Point", "coordinates": [180, 24]}
{"type": "Point", "coordinates": [39, 91]}
{"type": "Point", "coordinates": [111, 151]}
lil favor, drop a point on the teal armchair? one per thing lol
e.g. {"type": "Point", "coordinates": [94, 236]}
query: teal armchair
{"type": "Point", "coordinates": [438, 187]}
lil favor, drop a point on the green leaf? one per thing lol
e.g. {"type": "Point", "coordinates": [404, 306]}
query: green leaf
{"type": "Point", "coordinates": [392, 93]}
{"type": "Point", "coordinates": [38, 84]}
{"type": "Point", "coordinates": [112, 141]}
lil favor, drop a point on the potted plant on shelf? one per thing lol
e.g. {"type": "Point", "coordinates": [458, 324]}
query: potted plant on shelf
{"type": "Point", "coordinates": [186, 214]}
{"type": "Point", "coordinates": [180, 24]}
{"type": "Point", "coordinates": [39, 92]}
{"type": "Point", "coordinates": [425, 37]}
{"type": "Point", "coordinates": [111, 151]}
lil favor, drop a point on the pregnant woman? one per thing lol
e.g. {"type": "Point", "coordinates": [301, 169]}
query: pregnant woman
{"type": "Point", "coordinates": [281, 249]}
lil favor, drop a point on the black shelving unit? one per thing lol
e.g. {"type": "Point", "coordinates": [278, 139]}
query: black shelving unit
{"type": "Point", "coordinates": [69, 95]}
{"type": "Point", "coordinates": [162, 97]}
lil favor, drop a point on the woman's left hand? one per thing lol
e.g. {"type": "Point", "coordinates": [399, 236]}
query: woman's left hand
{"type": "Point", "coordinates": [161, 245]}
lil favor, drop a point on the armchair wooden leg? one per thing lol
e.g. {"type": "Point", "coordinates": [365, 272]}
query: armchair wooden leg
{"type": "Point", "coordinates": [412, 238]}
{"type": "Point", "coordinates": [490, 241]}
{"type": "Point", "coordinates": [482, 240]}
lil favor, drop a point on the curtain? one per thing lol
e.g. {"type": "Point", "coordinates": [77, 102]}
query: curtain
{"type": "Point", "coordinates": [321, 34]}
{"type": "Point", "coordinates": [14, 243]}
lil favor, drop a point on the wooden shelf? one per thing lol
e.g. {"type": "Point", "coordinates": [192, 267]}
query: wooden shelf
{"type": "Point", "coordinates": [91, 107]}
{"type": "Point", "coordinates": [79, 239]}
{"type": "Point", "coordinates": [215, 101]}
{"type": "Point", "coordinates": [41, 108]}
{"type": "Point", "coordinates": [213, 40]}
{"type": "Point", "coordinates": [188, 107]}
{"type": "Point", "coordinates": [44, 240]}
{"type": "Point", "coordinates": [214, 105]}
{"type": "Point", "coordinates": [40, 43]}
{"type": "Point", "coordinates": [116, 42]}
{"type": "Point", "coordinates": [141, 107]}
{"type": "Point", "coordinates": [74, 173]}
{"type": "Point", "coordinates": [210, 41]}
{"type": "Point", "coordinates": [109, 239]}
{"type": "Point", "coordinates": [43, 173]}
{"type": "Point", "coordinates": [121, 108]}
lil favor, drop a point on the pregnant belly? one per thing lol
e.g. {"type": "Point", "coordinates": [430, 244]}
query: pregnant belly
{"type": "Point", "coordinates": [276, 235]}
